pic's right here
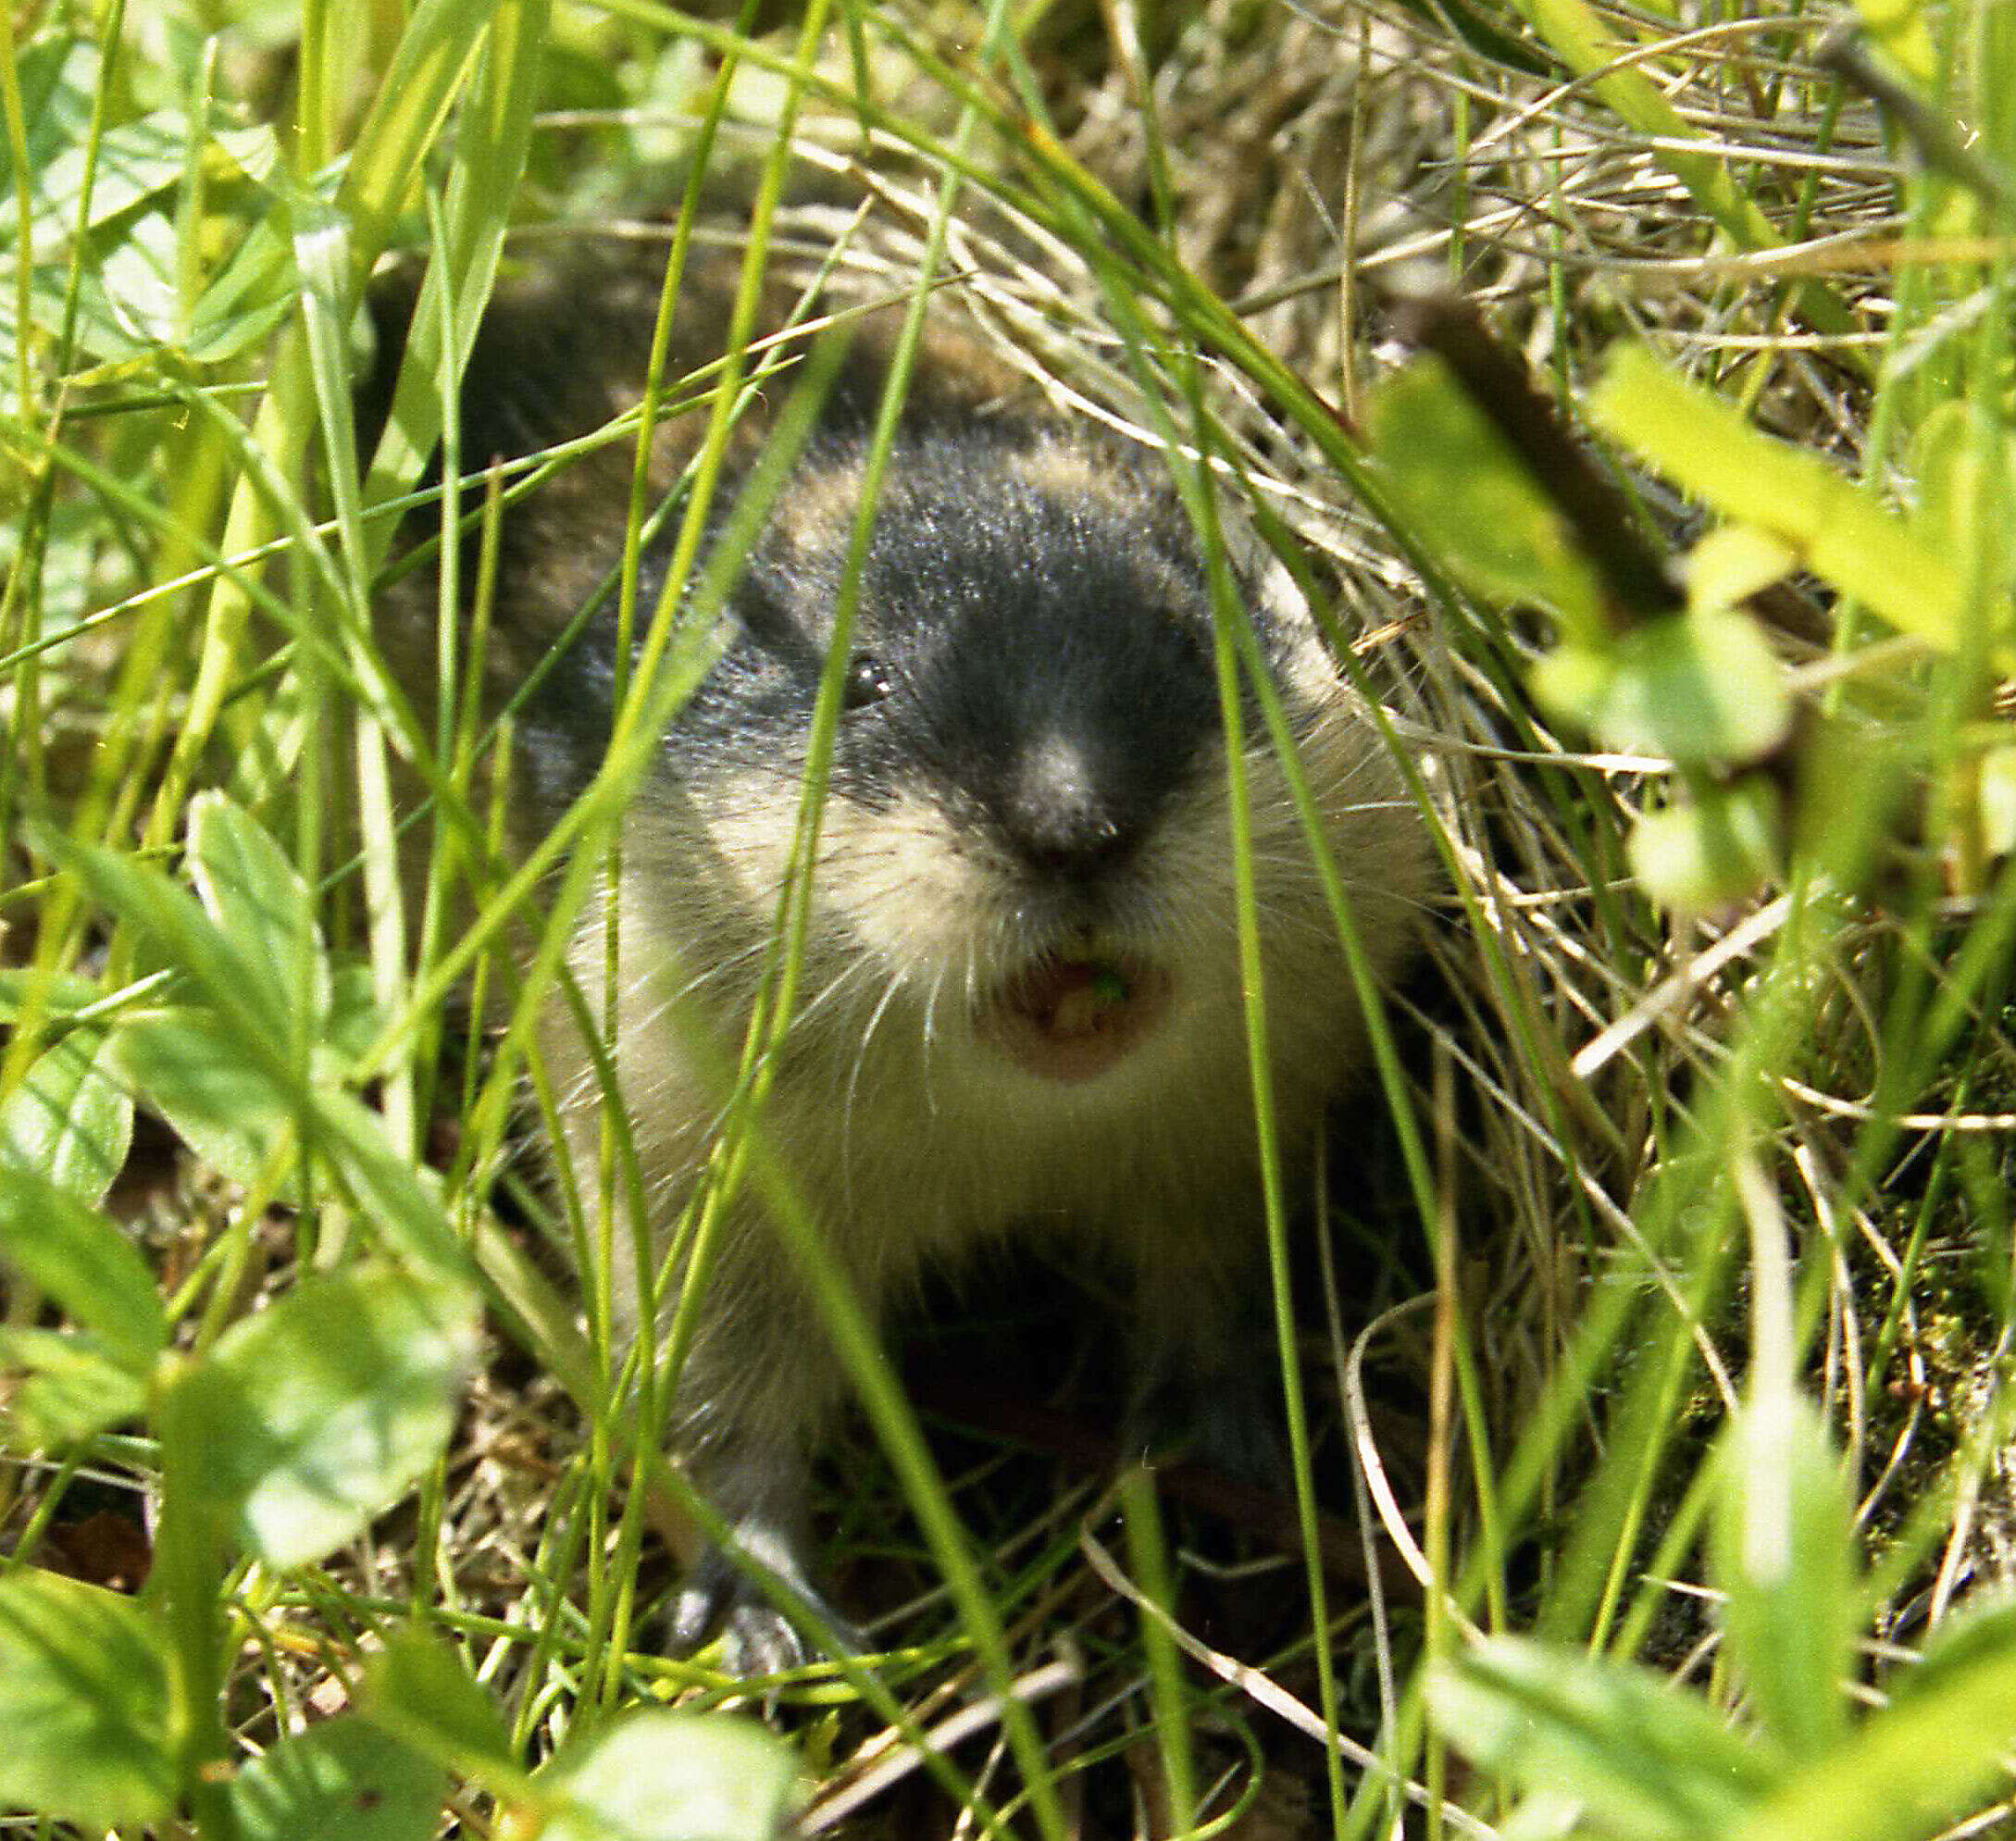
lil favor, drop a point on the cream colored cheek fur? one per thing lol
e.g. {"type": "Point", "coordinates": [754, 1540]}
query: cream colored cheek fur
{"type": "Point", "coordinates": [920, 918]}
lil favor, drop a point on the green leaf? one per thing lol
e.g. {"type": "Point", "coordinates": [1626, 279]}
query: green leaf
{"type": "Point", "coordinates": [83, 1704]}
{"type": "Point", "coordinates": [1732, 563]}
{"type": "Point", "coordinates": [1836, 527]}
{"type": "Point", "coordinates": [666, 1776]}
{"type": "Point", "coordinates": [310, 1418]}
{"type": "Point", "coordinates": [57, 76]}
{"type": "Point", "coordinates": [226, 1084]}
{"type": "Point", "coordinates": [54, 996]}
{"type": "Point", "coordinates": [428, 71]}
{"type": "Point", "coordinates": [354, 1022]}
{"type": "Point", "coordinates": [402, 1202]}
{"type": "Point", "coordinates": [245, 300]}
{"type": "Point", "coordinates": [84, 1263]}
{"type": "Point", "coordinates": [260, 902]}
{"type": "Point", "coordinates": [419, 1689]}
{"type": "Point", "coordinates": [339, 1781]}
{"type": "Point", "coordinates": [137, 274]}
{"type": "Point", "coordinates": [194, 1070]}
{"type": "Point", "coordinates": [1546, 1815]}
{"type": "Point", "coordinates": [134, 161]}
{"type": "Point", "coordinates": [73, 1391]}
{"type": "Point", "coordinates": [1650, 1762]}
{"type": "Point", "coordinates": [1716, 848]}
{"type": "Point", "coordinates": [1998, 800]}
{"type": "Point", "coordinates": [1702, 687]}
{"type": "Point", "coordinates": [1935, 1754]}
{"type": "Point", "coordinates": [1782, 1553]}
{"type": "Point", "coordinates": [198, 1072]}
{"type": "Point", "coordinates": [105, 331]}
{"type": "Point", "coordinates": [1903, 29]}
{"type": "Point", "coordinates": [1468, 491]}
{"type": "Point", "coordinates": [70, 1119]}
{"type": "Point", "coordinates": [1982, 1634]}
{"type": "Point", "coordinates": [1962, 458]}
{"type": "Point", "coordinates": [188, 938]}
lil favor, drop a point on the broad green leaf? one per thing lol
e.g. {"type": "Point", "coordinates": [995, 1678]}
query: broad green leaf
{"type": "Point", "coordinates": [206, 1067]}
{"type": "Point", "coordinates": [84, 1263]}
{"type": "Point", "coordinates": [1857, 781]}
{"type": "Point", "coordinates": [419, 1689]}
{"type": "Point", "coordinates": [246, 299]}
{"type": "Point", "coordinates": [1935, 1755]}
{"type": "Point", "coordinates": [72, 1390]}
{"type": "Point", "coordinates": [1693, 687]}
{"type": "Point", "coordinates": [187, 937]}
{"type": "Point", "coordinates": [254, 893]}
{"type": "Point", "coordinates": [1980, 1635]}
{"type": "Point", "coordinates": [1718, 847]}
{"type": "Point", "coordinates": [205, 1080]}
{"type": "Point", "coordinates": [311, 1417]}
{"type": "Point", "coordinates": [83, 1704]}
{"type": "Point", "coordinates": [54, 995]}
{"type": "Point", "coordinates": [57, 76]}
{"type": "Point", "coordinates": [137, 274]}
{"type": "Point", "coordinates": [1901, 27]}
{"type": "Point", "coordinates": [70, 1119]}
{"type": "Point", "coordinates": [253, 149]}
{"type": "Point", "coordinates": [354, 1022]}
{"type": "Point", "coordinates": [103, 334]}
{"type": "Point", "coordinates": [1731, 564]}
{"type": "Point", "coordinates": [666, 1776]}
{"type": "Point", "coordinates": [136, 160]}
{"type": "Point", "coordinates": [428, 69]}
{"type": "Point", "coordinates": [1652, 1762]}
{"type": "Point", "coordinates": [1782, 1554]}
{"type": "Point", "coordinates": [402, 1202]}
{"type": "Point", "coordinates": [1836, 527]}
{"type": "Point", "coordinates": [1962, 454]}
{"type": "Point", "coordinates": [1544, 1815]}
{"type": "Point", "coordinates": [1465, 488]}
{"type": "Point", "coordinates": [195, 1071]}
{"type": "Point", "coordinates": [124, 313]}
{"type": "Point", "coordinates": [339, 1781]}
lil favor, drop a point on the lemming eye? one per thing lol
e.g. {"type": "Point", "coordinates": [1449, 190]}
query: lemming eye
{"type": "Point", "coordinates": [868, 682]}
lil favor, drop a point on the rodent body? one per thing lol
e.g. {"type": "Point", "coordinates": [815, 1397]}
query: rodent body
{"type": "Point", "coordinates": [1020, 1004]}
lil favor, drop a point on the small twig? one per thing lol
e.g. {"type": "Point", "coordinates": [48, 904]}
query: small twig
{"type": "Point", "coordinates": [1640, 582]}
{"type": "Point", "coordinates": [954, 1729]}
{"type": "Point", "coordinates": [1941, 147]}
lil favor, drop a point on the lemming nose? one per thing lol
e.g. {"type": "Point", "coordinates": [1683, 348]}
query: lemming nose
{"type": "Point", "coordinates": [1058, 817]}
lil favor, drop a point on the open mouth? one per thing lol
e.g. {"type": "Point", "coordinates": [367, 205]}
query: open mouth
{"type": "Point", "coordinates": [1070, 1019]}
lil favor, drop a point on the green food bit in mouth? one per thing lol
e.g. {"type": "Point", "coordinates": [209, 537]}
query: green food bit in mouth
{"type": "Point", "coordinates": [1110, 986]}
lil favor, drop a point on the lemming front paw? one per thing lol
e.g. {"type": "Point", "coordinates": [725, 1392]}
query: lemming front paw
{"type": "Point", "coordinates": [757, 1639]}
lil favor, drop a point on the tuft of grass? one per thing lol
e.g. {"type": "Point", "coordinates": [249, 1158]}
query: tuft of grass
{"type": "Point", "coordinates": [1667, 1370]}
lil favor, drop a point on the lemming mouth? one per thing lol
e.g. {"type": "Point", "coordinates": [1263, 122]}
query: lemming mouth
{"type": "Point", "coordinates": [1069, 1019]}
